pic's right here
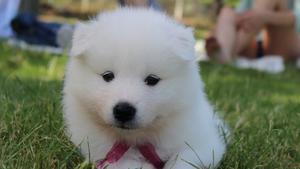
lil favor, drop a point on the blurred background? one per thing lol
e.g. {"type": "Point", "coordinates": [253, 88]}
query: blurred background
{"type": "Point", "coordinates": [200, 14]}
{"type": "Point", "coordinates": [47, 25]}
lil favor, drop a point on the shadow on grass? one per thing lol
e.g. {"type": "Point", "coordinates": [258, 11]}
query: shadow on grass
{"type": "Point", "coordinates": [12, 59]}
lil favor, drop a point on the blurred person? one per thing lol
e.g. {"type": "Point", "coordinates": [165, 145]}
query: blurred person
{"type": "Point", "coordinates": [236, 32]}
{"type": "Point", "coordinates": [28, 28]}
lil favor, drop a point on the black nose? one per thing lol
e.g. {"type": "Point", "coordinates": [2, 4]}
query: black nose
{"type": "Point", "coordinates": [124, 112]}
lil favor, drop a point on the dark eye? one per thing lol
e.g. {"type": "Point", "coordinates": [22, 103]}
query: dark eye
{"type": "Point", "coordinates": [152, 80]}
{"type": "Point", "coordinates": [108, 76]}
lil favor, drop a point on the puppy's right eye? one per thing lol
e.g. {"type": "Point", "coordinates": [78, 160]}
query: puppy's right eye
{"type": "Point", "coordinates": [152, 80]}
{"type": "Point", "coordinates": [108, 76]}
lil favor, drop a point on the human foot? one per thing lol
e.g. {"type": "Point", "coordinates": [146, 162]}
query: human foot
{"type": "Point", "coordinates": [211, 46]}
{"type": "Point", "coordinates": [213, 50]}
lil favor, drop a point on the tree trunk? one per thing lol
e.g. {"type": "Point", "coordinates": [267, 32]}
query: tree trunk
{"type": "Point", "coordinates": [85, 5]}
{"type": "Point", "coordinates": [178, 10]}
{"type": "Point", "coordinates": [217, 6]}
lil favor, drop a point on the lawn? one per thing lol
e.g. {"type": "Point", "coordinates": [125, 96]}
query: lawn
{"type": "Point", "coordinates": [262, 110]}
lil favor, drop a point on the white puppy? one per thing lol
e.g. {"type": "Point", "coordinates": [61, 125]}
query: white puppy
{"type": "Point", "coordinates": [133, 97]}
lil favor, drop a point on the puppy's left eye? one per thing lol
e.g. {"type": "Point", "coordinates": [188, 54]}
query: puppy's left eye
{"type": "Point", "coordinates": [108, 76]}
{"type": "Point", "coordinates": [152, 80]}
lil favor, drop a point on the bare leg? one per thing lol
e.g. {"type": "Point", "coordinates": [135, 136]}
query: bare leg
{"type": "Point", "coordinates": [226, 32]}
{"type": "Point", "coordinates": [245, 44]}
{"type": "Point", "coordinates": [231, 40]}
{"type": "Point", "coordinates": [282, 38]}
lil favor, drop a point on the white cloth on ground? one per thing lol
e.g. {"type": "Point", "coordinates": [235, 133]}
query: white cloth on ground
{"type": "Point", "coordinates": [298, 63]}
{"type": "Point", "coordinates": [273, 64]}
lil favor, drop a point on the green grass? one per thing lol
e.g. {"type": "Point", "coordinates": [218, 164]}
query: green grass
{"type": "Point", "coordinates": [262, 110]}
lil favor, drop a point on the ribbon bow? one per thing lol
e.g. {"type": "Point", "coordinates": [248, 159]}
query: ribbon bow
{"type": "Point", "coordinates": [120, 148]}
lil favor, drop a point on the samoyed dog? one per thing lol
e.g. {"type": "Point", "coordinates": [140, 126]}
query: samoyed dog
{"type": "Point", "coordinates": [133, 97]}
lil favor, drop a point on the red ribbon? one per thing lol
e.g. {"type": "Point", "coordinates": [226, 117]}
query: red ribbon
{"type": "Point", "coordinates": [149, 153]}
{"type": "Point", "coordinates": [120, 148]}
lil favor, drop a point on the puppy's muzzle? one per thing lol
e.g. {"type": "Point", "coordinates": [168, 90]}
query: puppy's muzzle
{"type": "Point", "coordinates": [124, 112]}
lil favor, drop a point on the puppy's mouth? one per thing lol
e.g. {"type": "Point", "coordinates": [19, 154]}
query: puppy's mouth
{"type": "Point", "coordinates": [133, 125]}
{"type": "Point", "coordinates": [125, 126]}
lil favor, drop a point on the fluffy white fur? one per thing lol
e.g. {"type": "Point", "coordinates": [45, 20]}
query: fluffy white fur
{"type": "Point", "coordinates": [174, 115]}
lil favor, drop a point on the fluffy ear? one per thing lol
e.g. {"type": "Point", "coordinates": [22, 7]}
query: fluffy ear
{"type": "Point", "coordinates": [184, 43]}
{"type": "Point", "coordinates": [80, 40]}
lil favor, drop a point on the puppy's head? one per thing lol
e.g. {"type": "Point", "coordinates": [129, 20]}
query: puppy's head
{"type": "Point", "coordinates": [132, 68]}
